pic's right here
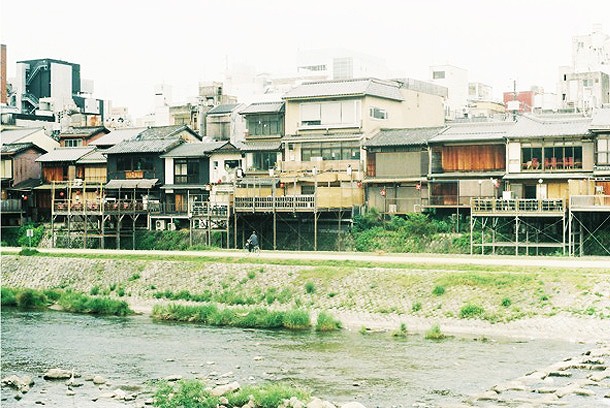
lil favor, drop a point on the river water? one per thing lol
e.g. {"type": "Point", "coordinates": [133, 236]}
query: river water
{"type": "Point", "coordinates": [376, 370]}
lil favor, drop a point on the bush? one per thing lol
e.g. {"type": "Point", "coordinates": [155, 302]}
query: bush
{"type": "Point", "coordinates": [34, 241]}
{"type": "Point", "coordinates": [297, 319]}
{"type": "Point", "coordinates": [310, 288]}
{"type": "Point", "coordinates": [434, 333]}
{"type": "Point", "coordinates": [438, 290]}
{"type": "Point", "coordinates": [7, 297]}
{"type": "Point", "coordinates": [416, 307]}
{"type": "Point", "coordinates": [31, 299]}
{"type": "Point", "coordinates": [80, 303]}
{"type": "Point", "coordinates": [506, 302]}
{"type": "Point", "coordinates": [470, 310]}
{"type": "Point", "coordinates": [326, 322]}
{"type": "Point", "coordinates": [401, 332]}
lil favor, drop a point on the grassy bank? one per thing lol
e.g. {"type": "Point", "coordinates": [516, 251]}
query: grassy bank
{"type": "Point", "coordinates": [69, 301]}
{"type": "Point", "coordinates": [465, 292]}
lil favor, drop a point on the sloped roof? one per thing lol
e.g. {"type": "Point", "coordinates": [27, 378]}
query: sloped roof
{"type": "Point", "coordinates": [223, 109]}
{"type": "Point", "coordinates": [117, 135]}
{"type": "Point", "coordinates": [473, 132]}
{"type": "Point", "coordinates": [196, 149]}
{"type": "Point", "coordinates": [350, 87]}
{"type": "Point", "coordinates": [528, 126]}
{"type": "Point", "coordinates": [600, 119]}
{"type": "Point", "coordinates": [144, 146]}
{"type": "Point", "coordinates": [264, 107]}
{"type": "Point", "coordinates": [323, 137]}
{"type": "Point", "coordinates": [254, 146]}
{"type": "Point", "coordinates": [403, 137]}
{"type": "Point", "coordinates": [64, 154]}
{"type": "Point", "coordinates": [27, 185]}
{"type": "Point", "coordinates": [163, 132]}
{"type": "Point", "coordinates": [83, 131]}
{"type": "Point", "coordinates": [94, 157]}
{"type": "Point", "coordinates": [8, 136]}
{"type": "Point", "coordinates": [14, 148]}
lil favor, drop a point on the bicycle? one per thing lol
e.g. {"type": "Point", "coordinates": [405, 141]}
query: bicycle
{"type": "Point", "coordinates": [254, 250]}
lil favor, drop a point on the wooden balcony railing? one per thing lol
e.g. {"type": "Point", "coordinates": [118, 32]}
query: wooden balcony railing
{"type": "Point", "coordinates": [597, 202]}
{"type": "Point", "coordinates": [281, 203]}
{"type": "Point", "coordinates": [11, 205]}
{"type": "Point", "coordinates": [517, 206]}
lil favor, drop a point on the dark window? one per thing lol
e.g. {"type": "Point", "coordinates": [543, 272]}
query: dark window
{"type": "Point", "coordinates": [128, 163]}
{"type": "Point", "coordinates": [263, 160]}
{"type": "Point", "coordinates": [186, 171]}
{"type": "Point", "coordinates": [264, 125]}
{"type": "Point", "coordinates": [438, 74]}
{"type": "Point", "coordinates": [332, 151]}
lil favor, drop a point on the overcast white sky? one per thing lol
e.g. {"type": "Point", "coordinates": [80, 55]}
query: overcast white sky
{"type": "Point", "coordinates": [126, 47]}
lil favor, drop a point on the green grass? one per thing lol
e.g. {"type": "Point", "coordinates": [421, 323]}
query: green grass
{"type": "Point", "coordinates": [326, 322]}
{"type": "Point", "coordinates": [434, 333]}
{"type": "Point", "coordinates": [194, 394]}
{"type": "Point", "coordinates": [401, 331]}
{"type": "Point", "coordinates": [310, 288]}
{"type": "Point", "coordinates": [438, 290]}
{"type": "Point", "coordinates": [211, 314]}
{"type": "Point", "coordinates": [470, 310]}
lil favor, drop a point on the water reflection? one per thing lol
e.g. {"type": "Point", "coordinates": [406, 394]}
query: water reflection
{"type": "Point", "coordinates": [374, 369]}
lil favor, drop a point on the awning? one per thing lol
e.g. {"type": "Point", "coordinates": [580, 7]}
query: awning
{"type": "Point", "coordinates": [384, 180]}
{"type": "Point", "coordinates": [131, 184]}
{"type": "Point", "coordinates": [546, 176]}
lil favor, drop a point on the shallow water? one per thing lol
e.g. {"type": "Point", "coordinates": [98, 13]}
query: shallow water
{"type": "Point", "coordinates": [374, 369]}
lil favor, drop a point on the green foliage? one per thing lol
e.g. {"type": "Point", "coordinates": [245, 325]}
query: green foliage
{"type": "Point", "coordinates": [235, 317]}
{"type": "Point", "coordinates": [24, 241]}
{"type": "Point", "coordinates": [470, 310]}
{"type": "Point", "coordinates": [94, 291]}
{"type": "Point", "coordinates": [363, 330]}
{"type": "Point", "coordinates": [310, 288]}
{"type": "Point", "coordinates": [193, 394]}
{"type": "Point", "coordinates": [506, 302]}
{"type": "Point", "coordinates": [134, 277]}
{"type": "Point", "coordinates": [401, 331]}
{"type": "Point", "coordinates": [31, 299]}
{"type": "Point", "coordinates": [81, 303]}
{"type": "Point", "coordinates": [251, 275]}
{"type": "Point", "coordinates": [327, 322]}
{"type": "Point", "coordinates": [28, 252]}
{"type": "Point", "coordinates": [434, 333]}
{"type": "Point", "coordinates": [8, 297]}
{"type": "Point", "coordinates": [416, 307]}
{"type": "Point", "coordinates": [438, 290]}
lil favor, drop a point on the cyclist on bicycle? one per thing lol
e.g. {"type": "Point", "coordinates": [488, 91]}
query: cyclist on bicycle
{"type": "Point", "coordinates": [252, 242]}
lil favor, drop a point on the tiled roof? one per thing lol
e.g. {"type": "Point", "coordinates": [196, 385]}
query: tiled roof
{"type": "Point", "coordinates": [322, 137]}
{"type": "Point", "coordinates": [14, 135]}
{"type": "Point", "coordinates": [351, 87]}
{"type": "Point", "coordinates": [473, 132]}
{"type": "Point", "coordinates": [528, 126]}
{"type": "Point", "coordinates": [160, 132]}
{"type": "Point", "coordinates": [254, 146]}
{"type": "Point", "coordinates": [27, 185]}
{"type": "Point", "coordinates": [14, 148]}
{"type": "Point", "coordinates": [223, 109]}
{"type": "Point", "coordinates": [94, 157]}
{"type": "Point", "coordinates": [403, 137]}
{"type": "Point", "coordinates": [263, 107]}
{"type": "Point", "coordinates": [195, 149]}
{"type": "Point", "coordinates": [83, 131]}
{"type": "Point", "coordinates": [117, 135]}
{"type": "Point", "coordinates": [64, 154]}
{"type": "Point", "coordinates": [600, 119]}
{"type": "Point", "coordinates": [143, 146]}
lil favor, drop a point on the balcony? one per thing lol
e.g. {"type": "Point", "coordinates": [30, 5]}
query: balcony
{"type": "Point", "coordinates": [512, 207]}
{"type": "Point", "coordinates": [97, 206]}
{"type": "Point", "coordinates": [295, 203]}
{"type": "Point", "coordinates": [597, 202]}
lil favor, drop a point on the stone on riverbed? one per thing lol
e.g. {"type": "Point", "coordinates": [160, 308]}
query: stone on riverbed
{"type": "Point", "coordinates": [353, 404]}
{"type": "Point", "coordinates": [57, 374]}
{"type": "Point", "coordinates": [318, 403]}
{"type": "Point", "coordinates": [21, 384]}
{"type": "Point", "coordinates": [225, 389]}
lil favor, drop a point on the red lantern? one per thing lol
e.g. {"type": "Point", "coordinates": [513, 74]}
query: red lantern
{"type": "Point", "coordinates": [382, 192]}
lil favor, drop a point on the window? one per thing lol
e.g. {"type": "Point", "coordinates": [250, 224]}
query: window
{"type": "Point", "coordinates": [186, 171]}
{"type": "Point", "coordinates": [128, 163]}
{"type": "Point", "coordinates": [603, 151]}
{"type": "Point", "coordinates": [336, 113]}
{"type": "Point", "coordinates": [232, 164]}
{"type": "Point", "coordinates": [378, 113]}
{"type": "Point", "coordinates": [563, 155]}
{"type": "Point", "coordinates": [263, 160]}
{"type": "Point", "coordinates": [73, 142]}
{"type": "Point", "coordinates": [438, 74]}
{"type": "Point", "coordinates": [264, 125]}
{"type": "Point", "coordinates": [330, 151]}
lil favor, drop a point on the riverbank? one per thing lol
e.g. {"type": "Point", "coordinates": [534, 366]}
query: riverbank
{"type": "Point", "coordinates": [490, 299]}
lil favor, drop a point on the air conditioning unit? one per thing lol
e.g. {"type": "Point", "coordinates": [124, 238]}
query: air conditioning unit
{"type": "Point", "coordinates": [171, 226]}
{"type": "Point", "coordinates": [160, 225]}
{"type": "Point", "coordinates": [392, 208]}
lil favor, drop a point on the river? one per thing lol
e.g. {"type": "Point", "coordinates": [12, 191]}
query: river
{"type": "Point", "coordinates": [374, 369]}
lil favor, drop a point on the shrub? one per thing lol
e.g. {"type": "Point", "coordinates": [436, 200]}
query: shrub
{"type": "Point", "coordinates": [438, 290]}
{"type": "Point", "coordinates": [134, 277]}
{"type": "Point", "coordinates": [31, 299]}
{"type": "Point", "coordinates": [310, 288]}
{"type": "Point", "coordinates": [416, 307]}
{"type": "Point", "coordinates": [28, 252]}
{"type": "Point", "coordinates": [470, 310]}
{"type": "Point", "coordinates": [401, 332]}
{"type": "Point", "coordinates": [25, 241]}
{"type": "Point", "coordinates": [94, 291]}
{"type": "Point", "coordinates": [434, 333]}
{"type": "Point", "coordinates": [7, 297]}
{"type": "Point", "coordinates": [297, 319]}
{"type": "Point", "coordinates": [506, 302]}
{"type": "Point", "coordinates": [251, 275]}
{"type": "Point", "coordinates": [80, 303]}
{"type": "Point", "coordinates": [327, 322]}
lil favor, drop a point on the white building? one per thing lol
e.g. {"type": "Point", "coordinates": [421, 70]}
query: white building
{"type": "Point", "coordinates": [591, 52]}
{"type": "Point", "coordinates": [455, 79]}
{"type": "Point", "coordinates": [340, 64]}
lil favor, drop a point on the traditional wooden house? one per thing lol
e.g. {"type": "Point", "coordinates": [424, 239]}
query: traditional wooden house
{"type": "Point", "coordinates": [397, 163]}
{"type": "Point", "coordinates": [467, 160]}
{"type": "Point", "coordinates": [262, 139]}
{"type": "Point", "coordinates": [81, 136]}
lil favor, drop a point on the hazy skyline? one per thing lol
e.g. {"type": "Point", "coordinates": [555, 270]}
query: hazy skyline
{"type": "Point", "coordinates": [127, 48]}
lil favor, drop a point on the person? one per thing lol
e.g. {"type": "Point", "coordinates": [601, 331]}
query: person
{"type": "Point", "coordinates": [252, 242]}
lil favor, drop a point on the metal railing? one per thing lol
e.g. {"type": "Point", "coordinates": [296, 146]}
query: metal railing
{"type": "Point", "coordinates": [279, 203]}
